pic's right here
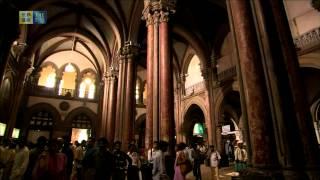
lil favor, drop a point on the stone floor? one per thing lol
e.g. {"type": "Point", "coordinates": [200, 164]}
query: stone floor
{"type": "Point", "coordinates": [225, 173]}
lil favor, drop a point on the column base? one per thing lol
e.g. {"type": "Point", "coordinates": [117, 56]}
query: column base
{"type": "Point", "coordinates": [273, 174]}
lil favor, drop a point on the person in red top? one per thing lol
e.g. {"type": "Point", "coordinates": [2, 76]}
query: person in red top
{"type": "Point", "coordinates": [51, 164]}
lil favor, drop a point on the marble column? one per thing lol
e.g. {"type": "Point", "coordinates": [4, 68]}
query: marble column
{"type": "Point", "coordinates": [211, 126]}
{"type": "Point", "coordinates": [259, 120]}
{"type": "Point", "coordinates": [155, 77]}
{"type": "Point", "coordinates": [130, 52]}
{"type": "Point", "coordinates": [102, 126]}
{"type": "Point", "coordinates": [166, 82]}
{"type": "Point", "coordinates": [162, 85]}
{"type": "Point", "coordinates": [149, 116]}
{"type": "Point", "coordinates": [112, 99]}
{"type": "Point", "coordinates": [24, 69]}
{"type": "Point", "coordinates": [295, 137]}
{"type": "Point", "coordinates": [125, 97]}
{"type": "Point", "coordinates": [120, 100]}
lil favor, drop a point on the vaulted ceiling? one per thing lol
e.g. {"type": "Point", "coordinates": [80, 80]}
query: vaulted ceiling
{"type": "Point", "coordinates": [96, 29]}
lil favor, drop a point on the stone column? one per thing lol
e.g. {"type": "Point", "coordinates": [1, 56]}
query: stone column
{"type": "Point", "coordinates": [149, 116]}
{"type": "Point", "coordinates": [295, 137]}
{"type": "Point", "coordinates": [112, 99]}
{"type": "Point", "coordinates": [162, 91]}
{"type": "Point", "coordinates": [166, 82]}
{"type": "Point", "coordinates": [125, 97]}
{"type": "Point", "coordinates": [155, 79]}
{"type": "Point", "coordinates": [262, 140]}
{"type": "Point", "coordinates": [130, 52]}
{"type": "Point", "coordinates": [102, 126]}
{"type": "Point", "coordinates": [120, 100]}
{"type": "Point", "coordinates": [24, 69]}
{"type": "Point", "coordinates": [206, 73]}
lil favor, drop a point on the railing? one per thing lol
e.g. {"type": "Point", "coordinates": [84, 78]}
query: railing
{"type": "Point", "coordinates": [308, 39]}
{"type": "Point", "coordinates": [198, 87]}
{"type": "Point", "coordinates": [227, 74]}
{"type": "Point", "coordinates": [66, 92]}
{"type": "Point", "coordinates": [54, 93]}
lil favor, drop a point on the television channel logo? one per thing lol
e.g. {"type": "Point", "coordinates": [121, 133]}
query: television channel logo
{"type": "Point", "coordinates": [32, 17]}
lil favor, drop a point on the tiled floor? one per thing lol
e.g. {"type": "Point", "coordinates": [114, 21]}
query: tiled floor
{"type": "Point", "coordinates": [225, 173]}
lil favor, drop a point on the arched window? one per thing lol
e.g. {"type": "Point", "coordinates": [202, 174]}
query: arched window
{"type": "Point", "coordinates": [47, 77]}
{"type": "Point", "coordinates": [87, 86]}
{"type": "Point", "coordinates": [67, 84]}
{"type": "Point", "coordinates": [194, 73]}
{"type": "Point", "coordinates": [137, 92]}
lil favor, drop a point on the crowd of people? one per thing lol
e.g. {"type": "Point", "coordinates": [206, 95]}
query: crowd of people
{"type": "Point", "coordinates": [58, 159]}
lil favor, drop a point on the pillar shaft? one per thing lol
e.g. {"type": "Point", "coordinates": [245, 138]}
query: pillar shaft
{"type": "Point", "coordinates": [166, 82]}
{"type": "Point", "coordinates": [129, 100]}
{"type": "Point", "coordinates": [120, 96]}
{"type": "Point", "coordinates": [263, 153]}
{"type": "Point", "coordinates": [155, 88]}
{"type": "Point", "coordinates": [149, 115]}
{"type": "Point", "coordinates": [294, 133]}
{"type": "Point", "coordinates": [112, 100]}
{"type": "Point", "coordinates": [102, 126]}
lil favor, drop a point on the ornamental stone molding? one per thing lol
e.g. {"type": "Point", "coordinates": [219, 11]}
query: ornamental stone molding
{"type": "Point", "coordinates": [308, 40]}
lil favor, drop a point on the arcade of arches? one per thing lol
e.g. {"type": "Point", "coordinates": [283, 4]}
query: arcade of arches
{"type": "Point", "coordinates": [173, 70]}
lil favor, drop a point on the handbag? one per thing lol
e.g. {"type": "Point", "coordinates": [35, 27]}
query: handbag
{"type": "Point", "coordinates": [186, 167]}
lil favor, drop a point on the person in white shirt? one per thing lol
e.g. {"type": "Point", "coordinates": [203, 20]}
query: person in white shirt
{"type": "Point", "coordinates": [159, 168]}
{"type": "Point", "coordinates": [241, 157]}
{"type": "Point", "coordinates": [214, 162]}
{"type": "Point", "coordinates": [20, 162]}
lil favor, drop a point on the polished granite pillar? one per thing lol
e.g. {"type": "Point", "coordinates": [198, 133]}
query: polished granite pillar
{"type": "Point", "coordinates": [256, 97]}
{"type": "Point", "coordinates": [159, 71]}
{"type": "Point", "coordinates": [110, 123]}
{"type": "Point", "coordinates": [149, 116]}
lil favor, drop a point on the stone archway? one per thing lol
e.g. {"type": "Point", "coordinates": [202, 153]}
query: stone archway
{"type": "Point", "coordinates": [40, 119]}
{"type": "Point", "coordinates": [90, 121]}
{"type": "Point", "coordinates": [194, 115]}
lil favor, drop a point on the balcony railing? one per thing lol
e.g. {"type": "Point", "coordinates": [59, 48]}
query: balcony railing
{"type": "Point", "coordinates": [53, 92]}
{"type": "Point", "coordinates": [227, 74]}
{"type": "Point", "coordinates": [308, 39]}
{"type": "Point", "coordinates": [198, 87]}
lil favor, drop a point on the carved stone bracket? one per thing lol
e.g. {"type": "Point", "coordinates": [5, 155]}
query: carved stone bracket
{"type": "Point", "coordinates": [308, 39]}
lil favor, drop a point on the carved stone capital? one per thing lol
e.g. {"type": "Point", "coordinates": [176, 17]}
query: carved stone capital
{"type": "Point", "coordinates": [129, 51]}
{"type": "Point", "coordinates": [111, 73]}
{"type": "Point", "coordinates": [157, 11]}
{"type": "Point", "coordinates": [164, 16]}
{"type": "Point", "coordinates": [156, 17]}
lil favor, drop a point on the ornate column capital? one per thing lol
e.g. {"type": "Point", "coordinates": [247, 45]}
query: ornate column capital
{"type": "Point", "coordinates": [111, 73]}
{"type": "Point", "coordinates": [157, 11]}
{"type": "Point", "coordinates": [129, 50]}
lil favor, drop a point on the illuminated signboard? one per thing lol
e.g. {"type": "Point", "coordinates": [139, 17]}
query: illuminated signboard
{"type": "Point", "coordinates": [198, 129]}
{"type": "Point", "coordinates": [15, 133]}
{"type": "Point", "coordinates": [2, 129]}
